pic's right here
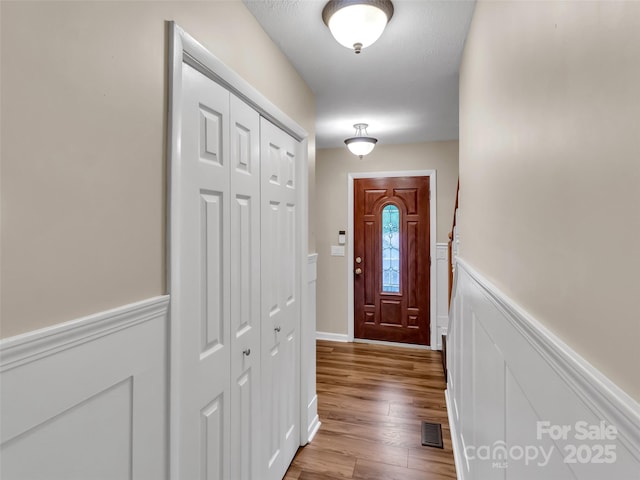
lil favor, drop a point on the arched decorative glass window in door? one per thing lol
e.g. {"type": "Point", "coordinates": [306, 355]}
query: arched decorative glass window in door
{"type": "Point", "coordinates": [391, 249]}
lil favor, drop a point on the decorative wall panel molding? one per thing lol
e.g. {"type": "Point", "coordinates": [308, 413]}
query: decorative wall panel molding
{"type": "Point", "coordinates": [442, 292]}
{"type": "Point", "coordinates": [524, 405]}
{"type": "Point", "coordinates": [309, 351]}
{"type": "Point", "coordinates": [103, 378]}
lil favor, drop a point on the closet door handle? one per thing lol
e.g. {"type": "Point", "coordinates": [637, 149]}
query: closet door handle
{"type": "Point", "coordinates": [277, 329]}
{"type": "Point", "coordinates": [246, 352]}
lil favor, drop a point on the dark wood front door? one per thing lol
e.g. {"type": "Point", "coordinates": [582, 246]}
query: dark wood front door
{"type": "Point", "coordinates": [391, 259]}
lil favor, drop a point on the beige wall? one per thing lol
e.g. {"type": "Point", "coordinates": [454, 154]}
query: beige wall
{"type": "Point", "coordinates": [332, 168]}
{"type": "Point", "coordinates": [550, 169]}
{"type": "Point", "coordinates": [83, 136]}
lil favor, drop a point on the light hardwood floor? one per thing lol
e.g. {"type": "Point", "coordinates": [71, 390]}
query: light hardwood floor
{"type": "Point", "coordinates": [371, 401]}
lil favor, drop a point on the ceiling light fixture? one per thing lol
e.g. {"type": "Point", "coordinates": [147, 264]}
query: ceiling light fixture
{"type": "Point", "coordinates": [361, 144]}
{"type": "Point", "coordinates": [357, 23]}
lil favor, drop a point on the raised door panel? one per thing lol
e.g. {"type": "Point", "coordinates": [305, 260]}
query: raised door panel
{"type": "Point", "coordinates": [245, 291]}
{"type": "Point", "coordinates": [203, 299]}
{"type": "Point", "coordinates": [281, 304]}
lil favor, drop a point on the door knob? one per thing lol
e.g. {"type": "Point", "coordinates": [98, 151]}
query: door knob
{"type": "Point", "coordinates": [358, 271]}
{"type": "Point", "coordinates": [277, 329]}
{"type": "Point", "coordinates": [246, 352]}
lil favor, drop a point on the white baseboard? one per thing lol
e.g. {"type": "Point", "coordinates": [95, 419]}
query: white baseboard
{"type": "Point", "coordinates": [314, 427]}
{"type": "Point", "coordinates": [334, 337]}
{"type": "Point", "coordinates": [392, 344]}
{"type": "Point", "coordinates": [314, 424]}
{"type": "Point", "coordinates": [101, 377]}
{"type": "Point", "coordinates": [340, 337]}
{"type": "Point", "coordinates": [507, 373]}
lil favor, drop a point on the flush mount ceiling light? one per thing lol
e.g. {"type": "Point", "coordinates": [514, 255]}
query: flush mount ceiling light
{"type": "Point", "coordinates": [361, 144]}
{"type": "Point", "coordinates": [357, 23]}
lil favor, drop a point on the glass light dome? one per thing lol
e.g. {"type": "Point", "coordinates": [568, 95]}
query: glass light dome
{"type": "Point", "coordinates": [357, 24]}
{"type": "Point", "coordinates": [361, 144]}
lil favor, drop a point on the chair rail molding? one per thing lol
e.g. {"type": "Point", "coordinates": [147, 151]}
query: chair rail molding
{"type": "Point", "coordinates": [34, 345]}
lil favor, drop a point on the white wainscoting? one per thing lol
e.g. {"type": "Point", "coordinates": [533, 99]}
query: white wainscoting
{"type": "Point", "coordinates": [312, 421]}
{"type": "Point", "coordinates": [506, 373]}
{"type": "Point", "coordinates": [87, 399]}
{"type": "Point", "coordinates": [442, 292]}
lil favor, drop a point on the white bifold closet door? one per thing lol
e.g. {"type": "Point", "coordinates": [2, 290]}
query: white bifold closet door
{"type": "Point", "coordinates": [216, 378]}
{"type": "Point", "coordinates": [280, 300]}
{"type": "Point", "coordinates": [245, 292]}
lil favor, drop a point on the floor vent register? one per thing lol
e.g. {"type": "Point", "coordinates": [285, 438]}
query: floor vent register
{"type": "Point", "coordinates": [432, 435]}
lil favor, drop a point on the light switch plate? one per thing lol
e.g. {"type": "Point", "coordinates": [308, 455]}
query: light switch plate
{"type": "Point", "coordinates": [337, 251]}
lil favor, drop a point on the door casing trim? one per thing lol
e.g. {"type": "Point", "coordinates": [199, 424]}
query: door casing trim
{"type": "Point", "coordinates": [351, 176]}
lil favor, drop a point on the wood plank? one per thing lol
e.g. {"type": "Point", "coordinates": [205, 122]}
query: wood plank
{"type": "Point", "coordinates": [366, 470]}
{"type": "Point", "coordinates": [369, 392]}
{"type": "Point", "coordinates": [309, 475]}
{"type": "Point", "coordinates": [434, 466]}
{"type": "Point", "coordinates": [350, 403]}
{"type": "Point", "coordinates": [386, 435]}
{"type": "Point", "coordinates": [293, 473]}
{"type": "Point", "coordinates": [423, 454]}
{"type": "Point", "coordinates": [317, 460]}
{"type": "Point", "coordinates": [363, 418]}
{"type": "Point", "coordinates": [361, 448]}
{"type": "Point", "coordinates": [320, 349]}
{"type": "Point", "coordinates": [397, 409]}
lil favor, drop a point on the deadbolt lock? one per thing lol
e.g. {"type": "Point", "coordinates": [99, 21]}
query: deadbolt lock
{"type": "Point", "coordinates": [358, 260]}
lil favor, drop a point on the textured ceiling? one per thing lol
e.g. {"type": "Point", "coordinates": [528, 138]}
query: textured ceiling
{"type": "Point", "coordinates": [405, 86]}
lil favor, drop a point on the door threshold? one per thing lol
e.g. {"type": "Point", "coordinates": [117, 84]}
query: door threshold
{"type": "Point", "coordinates": [392, 344]}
